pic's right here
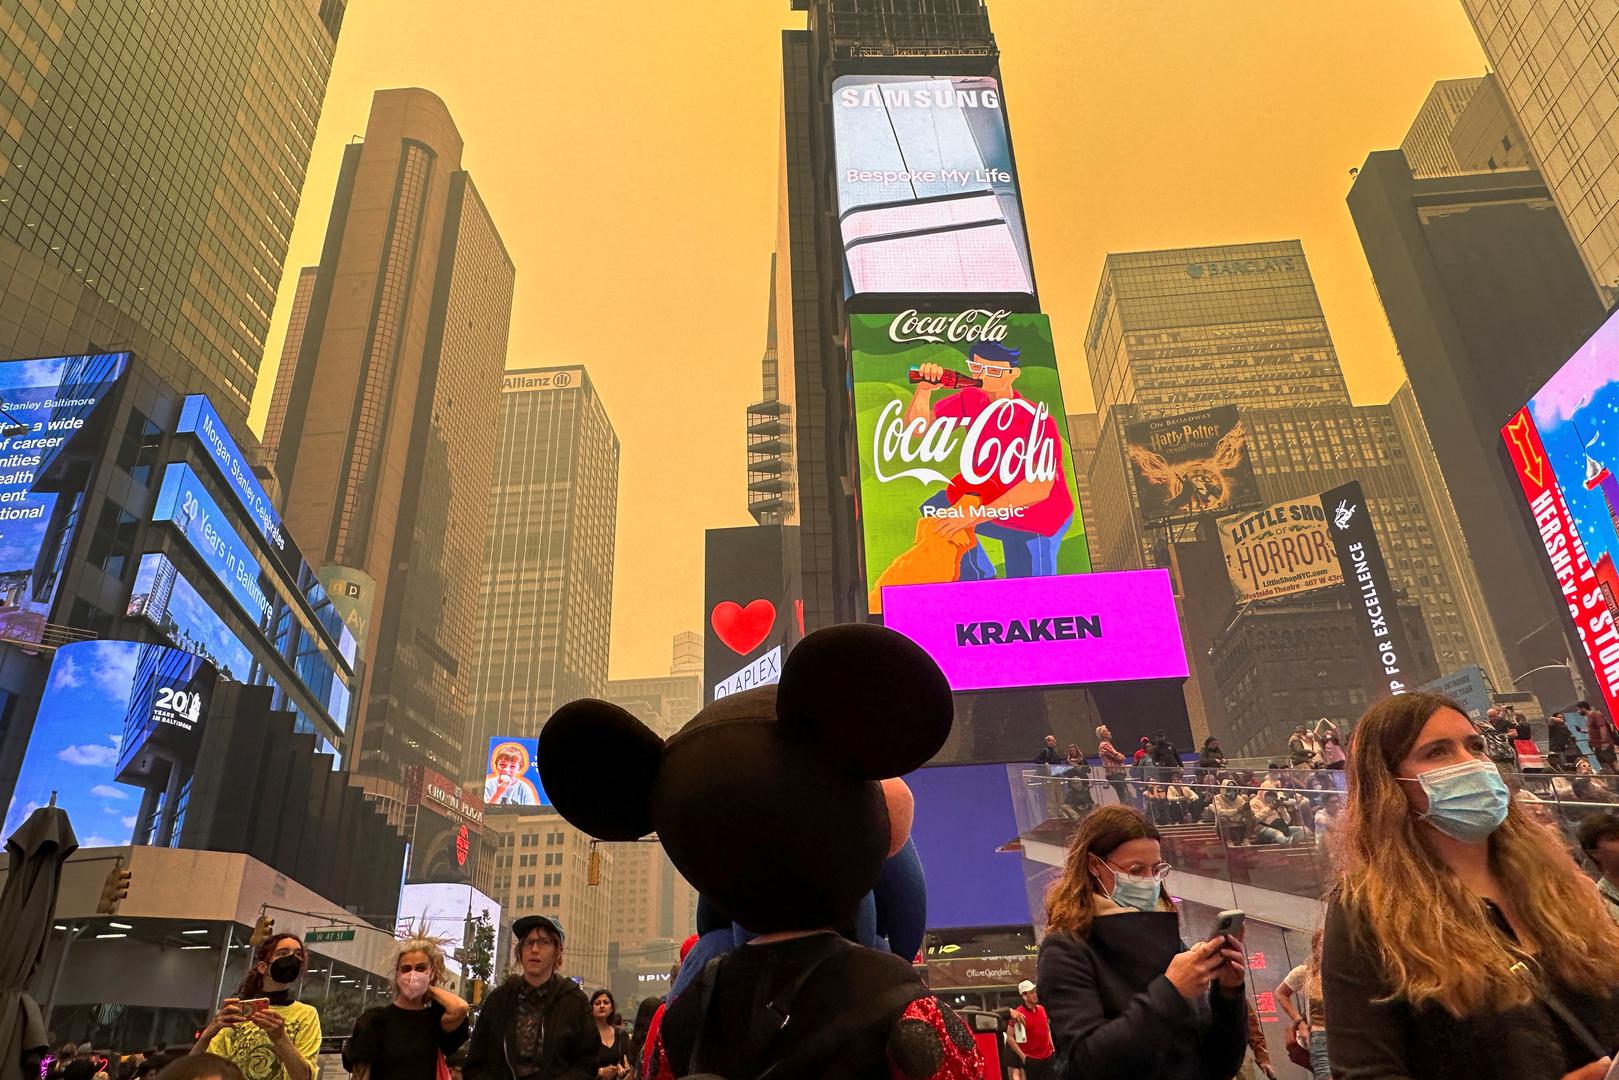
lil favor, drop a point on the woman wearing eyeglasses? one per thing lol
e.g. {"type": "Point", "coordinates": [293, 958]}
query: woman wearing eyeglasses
{"type": "Point", "coordinates": [1462, 941]}
{"type": "Point", "coordinates": [1126, 999]}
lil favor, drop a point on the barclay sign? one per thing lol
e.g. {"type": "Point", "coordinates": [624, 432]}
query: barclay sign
{"type": "Point", "coordinates": [965, 468]}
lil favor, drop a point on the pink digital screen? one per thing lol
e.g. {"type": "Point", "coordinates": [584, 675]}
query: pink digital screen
{"type": "Point", "coordinates": [1044, 631]}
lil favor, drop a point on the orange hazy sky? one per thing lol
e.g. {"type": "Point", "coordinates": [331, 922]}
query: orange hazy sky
{"type": "Point", "coordinates": [628, 154]}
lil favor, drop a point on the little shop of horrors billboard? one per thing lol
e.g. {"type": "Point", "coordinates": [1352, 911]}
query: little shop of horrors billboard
{"type": "Point", "coordinates": [965, 467]}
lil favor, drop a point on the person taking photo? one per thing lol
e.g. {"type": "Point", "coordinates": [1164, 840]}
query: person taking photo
{"type": "Point", "coordinates": [424, 1024]}
{"type": "Point", "coordinates": [1462, 943]}
{"type": "Point", "coordinates": [261, 1030]}
{"type": "Point", "coordinates": [1124, 997]}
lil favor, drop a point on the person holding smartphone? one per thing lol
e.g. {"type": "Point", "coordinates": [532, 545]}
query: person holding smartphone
{"type": "Point", "coordinates": [408, 1038]}
{"type": "Point", "coordinates": [261, 1030]}
{"type": "Point", "coordinates": [1462, 942]}
{"type": "Point", "coordinates": [1125, 997]}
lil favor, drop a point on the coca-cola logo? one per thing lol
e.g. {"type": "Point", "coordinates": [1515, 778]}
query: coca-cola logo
{"type": "Point", "coordinates": [994, 445]}
{"type": "Point", "coordinates": [980, 324]}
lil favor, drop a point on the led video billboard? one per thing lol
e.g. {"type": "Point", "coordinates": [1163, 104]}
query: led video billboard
{"type": "Point", "coordinates": [1563, 447]}
{"type": "Point", "coordinates": [164, 597]}
{"type": "Point", "coordinates": [115, 715]}
{"type": "Point", "coordinates": [1281, 550]}
{"type": "Point", "coordinates": [1190, 465]}
{"type": "Point", "coordinates": [1082, 629]}
{"type": "Point", "coordinates": [441, 911]}
{"type": "Point", "coordinates": [51, 398]}
{"type": "Point", "coordinates": [444, 828]}
{"type": "Point", "coordinates": [755, 611]}
{"type": "Point", "coordinates": [965, 468]}
{"type": "Point", "coordinates": [514, 774]}
{"type": "Point", "coordinates": [927, 192]}
{"type": "Point", "coordinates": [184, 500]}
{"type": "Point", "coordinates": [199, 417]}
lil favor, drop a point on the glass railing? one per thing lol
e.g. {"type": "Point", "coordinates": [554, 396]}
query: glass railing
{"type": "Point", "coordinates": [1270, 829]}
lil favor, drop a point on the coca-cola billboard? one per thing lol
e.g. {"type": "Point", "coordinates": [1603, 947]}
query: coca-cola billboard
{"type": "Point", "coordinates": [965, 468]}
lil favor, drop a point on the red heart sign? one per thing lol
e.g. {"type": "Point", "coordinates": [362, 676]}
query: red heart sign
{"type": "Point", "coordinates": [742, 629]}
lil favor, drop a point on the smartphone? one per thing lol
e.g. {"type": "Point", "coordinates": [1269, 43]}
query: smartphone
{"type": "Point", "coordinates": [1228, 924]}
{"type": "Point", "coordinates": [249, 1006]}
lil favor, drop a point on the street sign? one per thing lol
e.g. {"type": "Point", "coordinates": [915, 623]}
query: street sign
{"type": "Point", "coordinates": [331, 933]}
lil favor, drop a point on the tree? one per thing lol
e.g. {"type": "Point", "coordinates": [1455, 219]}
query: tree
{"type": "Point", "coordinates": [480, 949]}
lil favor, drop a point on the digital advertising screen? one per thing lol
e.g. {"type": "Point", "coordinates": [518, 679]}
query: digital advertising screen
{"type": "Point", "coordinates": [1563, 446]}
{"type": "Point", "coordinates": [51, 398]}
{"type": "Point", "coordinates": [754, 605]}
{"type": "Point", "coordinates": [1074, 630]}
{"type": "Point", "coordinates": [163, 597]}
{"type": "Point", "coordinates": [113, 715]}
{"type": "Point", "coordinates": [199, 417]}
{"type": "Point", "coordinates": [442, 911]}
{"type": "Point", "coordinates": [965, 468]}
{"type": "Point", "coordinates": [513, 779]}
{"type": "Point", "coordinates": [184, 501]}
{"type": "Point", "coordinates": [1282, 550]}
{"type": "Point", "coordinates": [927, 192]}
{"type": "Point", "coordinates": [1190, 465]}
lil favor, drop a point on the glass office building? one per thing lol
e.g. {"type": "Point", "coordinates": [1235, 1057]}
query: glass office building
{"type": "Point", "coordinates": [152, 153]}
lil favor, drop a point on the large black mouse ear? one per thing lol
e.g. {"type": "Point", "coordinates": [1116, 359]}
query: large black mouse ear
{"type": "Point", "coordinates": [598, 764]}
{"type": "Point", "coordinates": [867, 696]}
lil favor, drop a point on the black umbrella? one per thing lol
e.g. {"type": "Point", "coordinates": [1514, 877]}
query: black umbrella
{"type": "Point", "coordinates": [36, 852]}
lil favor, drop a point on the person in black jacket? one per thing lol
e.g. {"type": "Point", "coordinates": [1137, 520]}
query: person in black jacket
{"type": "Point", "coordinates": [537, 1025]}
{"type": "Point", "coordinates": [1125, 999]}
{"type": "Point", "coordinates": [1462, 943]}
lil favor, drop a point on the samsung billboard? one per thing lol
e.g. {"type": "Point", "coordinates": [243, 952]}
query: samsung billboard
{"type": "Point", "coordinates": [927, 192]}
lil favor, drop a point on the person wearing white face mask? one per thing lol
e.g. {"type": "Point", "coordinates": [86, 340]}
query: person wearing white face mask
{"type": "Point", "coordinates": [1125, 999]}
{"type": "Point", "coordinates": [1462, 942]}
{"type": "Point", "coordinates": [410, 1038]}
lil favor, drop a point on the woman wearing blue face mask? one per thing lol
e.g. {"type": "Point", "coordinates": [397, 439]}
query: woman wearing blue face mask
{"type": "Point", "coordinates": [1462, 941]}
{"type": "Point", "coordinates": [1124, 997]}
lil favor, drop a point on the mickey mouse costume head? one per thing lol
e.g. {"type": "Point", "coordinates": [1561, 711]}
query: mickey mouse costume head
{"type": "Point", "coordinates": [767, 801]}
{"type": "Point", "coordinates": [772, 804]}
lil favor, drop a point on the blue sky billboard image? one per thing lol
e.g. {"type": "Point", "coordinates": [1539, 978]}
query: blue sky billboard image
{"type": "Point", "coordinates": [514, 774]}
{"type": "Point", "coordinates": [79, 732]}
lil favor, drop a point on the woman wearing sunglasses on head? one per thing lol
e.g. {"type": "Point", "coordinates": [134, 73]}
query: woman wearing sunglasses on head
{"type": "Point", "coordinates": [1125, 998]}
{"type": "Point", "coordinates": [1462, 941]}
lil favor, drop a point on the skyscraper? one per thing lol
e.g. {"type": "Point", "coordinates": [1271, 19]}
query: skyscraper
{"type": "Point", "coordinates": [770, 434]}
{"type": "Point", "coordinates": [1486, 296]}
{"type": "Point", "coordinates": [1182, 329]}
{"type": "Point", "coordinates": [150, 168]}
{"type": "Point", "coordinates": [388, 438]}
{"type": "Point", "coordinates": [1427, 144]}
{"type": "Point", "coordinates": [546, 598]}
{"type": "Point", "coordinates": [917, 37]}
{"type": "Point", "coordinates": [1555, 60]}
{"type": "Point", "coordinates": [297, 321]}
{"type": "Point", "coordinates": [1173, 331]}
{"type": "Point", "coordinates": [654, 908]}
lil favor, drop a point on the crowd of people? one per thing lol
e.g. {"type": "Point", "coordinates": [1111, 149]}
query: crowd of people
{"type": "Point", "coordinates": [1462, 937]}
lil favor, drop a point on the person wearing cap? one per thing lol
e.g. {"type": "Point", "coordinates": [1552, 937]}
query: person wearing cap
{"type": "Point", "coordinates": [1028, 517]}
{"type": "Point", "coordinates": [536, 1025]}
{"type": "Point", "coordinates": [1035, 1046]}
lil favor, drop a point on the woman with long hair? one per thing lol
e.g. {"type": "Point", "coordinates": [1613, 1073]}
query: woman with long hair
{"type": "Point", "coordinates": [613, 1056]}
{"type": "Point", "coordinates": [261, 1030]}
{"type": "Point", "coordinates": [1299, 996]}
{"type": "Point", "coordinates": [411, 1036]}
{"type": "Point", "coordinates": [1125, 998]}
{"type": "Point", "coordinates": [1113, 761]}
{"type": "Point", "coordinates": [1462, 941]}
